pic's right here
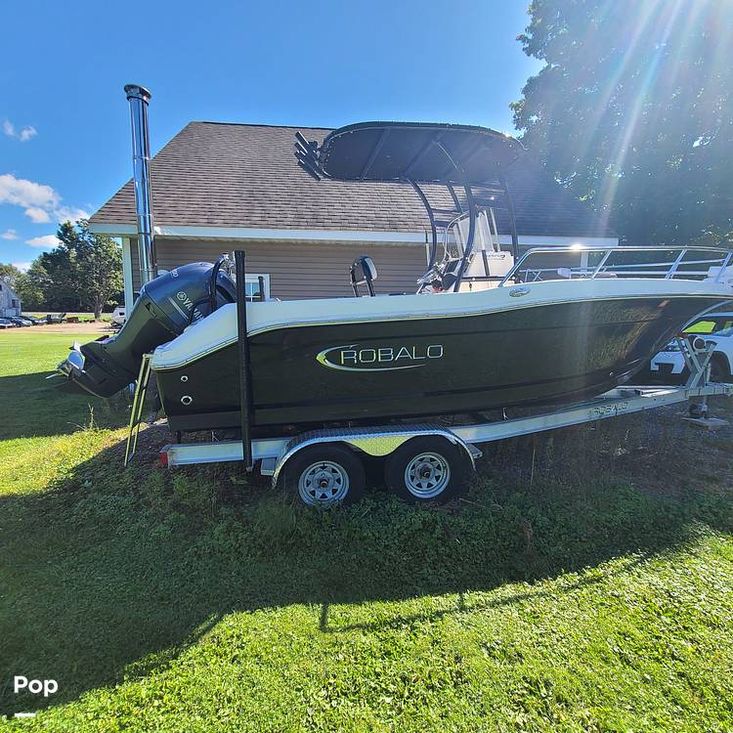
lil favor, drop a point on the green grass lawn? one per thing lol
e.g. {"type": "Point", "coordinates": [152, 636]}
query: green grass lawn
{"type": "Point", "coordinates": [584, 584]}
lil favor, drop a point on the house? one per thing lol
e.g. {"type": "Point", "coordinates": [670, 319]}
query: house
{"type": "Point", "coordinates": [10, 304]}
{"type": "Point", "coordinates": [219, 186]}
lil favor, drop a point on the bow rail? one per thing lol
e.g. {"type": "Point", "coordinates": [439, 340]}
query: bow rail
{"type": "Point", "coordinates": [579, 262]}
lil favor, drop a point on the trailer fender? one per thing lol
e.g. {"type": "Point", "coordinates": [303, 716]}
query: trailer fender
{"type": "Point", "coordinates": [376, 442]}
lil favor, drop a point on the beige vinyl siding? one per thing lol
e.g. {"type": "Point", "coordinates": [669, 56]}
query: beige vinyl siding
{"type": "Point", "coordinates": [300, 270]}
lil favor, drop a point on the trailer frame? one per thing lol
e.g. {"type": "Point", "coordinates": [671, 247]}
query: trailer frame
{"type": "Point", "coordinates": [379, 441]}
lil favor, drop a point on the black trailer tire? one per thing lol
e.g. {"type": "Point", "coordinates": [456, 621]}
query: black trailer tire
{"type": "Point", "coordinates": [325, 475]}
{"type": "Point", "coordinates": [427, 469]}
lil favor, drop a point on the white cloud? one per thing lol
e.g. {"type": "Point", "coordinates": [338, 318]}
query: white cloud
{"type": "Point", "coordinates": [24, 134]}
{"type": "Point", "coordinates": [47, 240]}
{"type": "Point", "coordinates": [22, 266]}
{"type": "Point", "coordinates": [40, 203]}
{"type": "Point", "coordinates": [21, 192]}
{"type": "Point", "coordinates": [27, 133]}
{"type": "Point", "coordinates": [9, 234]}
{"type": "Point", "coordinates": [70, 213]}
{"type": "Point", "coordinates": [37, 215]}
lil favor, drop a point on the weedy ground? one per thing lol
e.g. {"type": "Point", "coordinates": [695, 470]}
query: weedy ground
{"type": "Point", "coordinates": [584, 583]}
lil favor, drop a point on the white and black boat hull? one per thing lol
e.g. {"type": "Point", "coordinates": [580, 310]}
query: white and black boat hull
{"type": "Point", "coordinates": [370, 369]}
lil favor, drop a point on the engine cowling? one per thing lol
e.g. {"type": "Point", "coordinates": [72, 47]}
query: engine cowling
{"type": "Point", "coordinates": [166, 306]}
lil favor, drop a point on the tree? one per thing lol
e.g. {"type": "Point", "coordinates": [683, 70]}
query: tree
{"type": "Point", "coordinates": [633, 110]}
{"type": "Point", "coordinates": [81, 273]}
{"type": "Point", "coordinates": [55, 273]}
{"type": "Point", "coordinates": [94, 262]}
{"type": "Point", "coordinates": [9, 273]}
{"type": "Point", "coordinates": [31, 287]}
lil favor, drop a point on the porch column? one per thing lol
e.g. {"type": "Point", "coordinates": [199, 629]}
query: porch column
{"type": "Point", "coordinates": [127, 274]}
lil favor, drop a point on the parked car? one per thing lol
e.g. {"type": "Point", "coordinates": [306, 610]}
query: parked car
{"type": "Point", "coordinates": [118, 315]}
{"type": "Point", "coordinates": [35, 321]}
{"type": "Point", "coordinates": [53, 318]}
{"type": "Point", "coordinates": [20, 321]}
{"type": "Point", "coordinates": [716, 329]}
{"type": "Point", "coordinates": [6, 323]}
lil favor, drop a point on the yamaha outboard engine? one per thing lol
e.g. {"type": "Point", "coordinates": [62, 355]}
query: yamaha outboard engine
{"type": "Point", "coordinates": [166, 306]}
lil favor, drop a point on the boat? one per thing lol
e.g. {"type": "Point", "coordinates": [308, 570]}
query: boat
{"type": "Point", "coordinates": [485, 329]}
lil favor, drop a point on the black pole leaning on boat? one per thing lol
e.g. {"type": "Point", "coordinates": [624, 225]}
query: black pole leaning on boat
{"type": "Point", "coordinates": [509, 203]}
{"type": "Point", "coordinates": [245, 381]}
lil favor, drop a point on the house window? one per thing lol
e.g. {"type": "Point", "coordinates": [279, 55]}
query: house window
{"type": "Point", "coordinates": [252, 286]}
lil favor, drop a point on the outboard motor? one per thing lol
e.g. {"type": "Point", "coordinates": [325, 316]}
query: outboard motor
{"type": "Point", "coordinates": [166, 306]}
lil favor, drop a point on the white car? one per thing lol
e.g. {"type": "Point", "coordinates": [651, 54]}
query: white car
{"type": "Point", "coordinates": [118, 315]}
{"type": "Point", "coordinates": [715, 328]}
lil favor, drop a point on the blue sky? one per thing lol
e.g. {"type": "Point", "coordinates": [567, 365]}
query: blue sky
{"type": "Point", "coordinates": [64, 129]}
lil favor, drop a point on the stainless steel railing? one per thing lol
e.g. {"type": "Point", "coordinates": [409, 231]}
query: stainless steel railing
{"type": "Point", "coordinates": [577, 262]}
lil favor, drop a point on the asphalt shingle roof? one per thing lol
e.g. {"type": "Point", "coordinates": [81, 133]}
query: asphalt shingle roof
{"type": "Point", "coordinates": [233, 175]}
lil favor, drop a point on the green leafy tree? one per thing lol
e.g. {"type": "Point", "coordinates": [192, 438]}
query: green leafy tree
{"type": "Point", "coordinates": [82, 273]}
{"type": "Point", "coordinates": [94, 262]}
{"type": "Point", "coordinates": [633, 111]}
{"type": "Point", "coordinates": [32, 286]}
{"type": "Point", "coordinates": [56, 274]}
{"type": "Point", "coordinates": [10, 274]}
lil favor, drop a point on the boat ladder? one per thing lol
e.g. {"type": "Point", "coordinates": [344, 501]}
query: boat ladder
{"type": "Point", "coordinates": [138, 403]}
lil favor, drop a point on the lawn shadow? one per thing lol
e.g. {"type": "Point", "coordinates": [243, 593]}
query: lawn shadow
{"type": "Point", "coordinates": [35, 406]}
{"type": "Point", "coordinates": [111, 574]}
{"type": "Point", "coordinates": [463, 605]}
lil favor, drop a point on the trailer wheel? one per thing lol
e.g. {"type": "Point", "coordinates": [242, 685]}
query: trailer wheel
{"type": "Point", "coordinates": [324, 475]}
{"type": "Point", "coordinates": [427, 469]}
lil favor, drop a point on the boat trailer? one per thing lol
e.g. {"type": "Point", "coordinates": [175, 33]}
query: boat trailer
{"type": "Point", "coordinates": [422, 461]}
{"type": "Point", "coordinates": [380, 441]}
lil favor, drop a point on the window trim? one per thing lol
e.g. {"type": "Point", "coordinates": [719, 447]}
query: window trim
{"type": "Point", "coordinates": [253, 277]}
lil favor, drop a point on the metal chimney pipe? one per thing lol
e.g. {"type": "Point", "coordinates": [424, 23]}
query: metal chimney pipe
{"type": "Point", "coordinates": [139, 97]}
